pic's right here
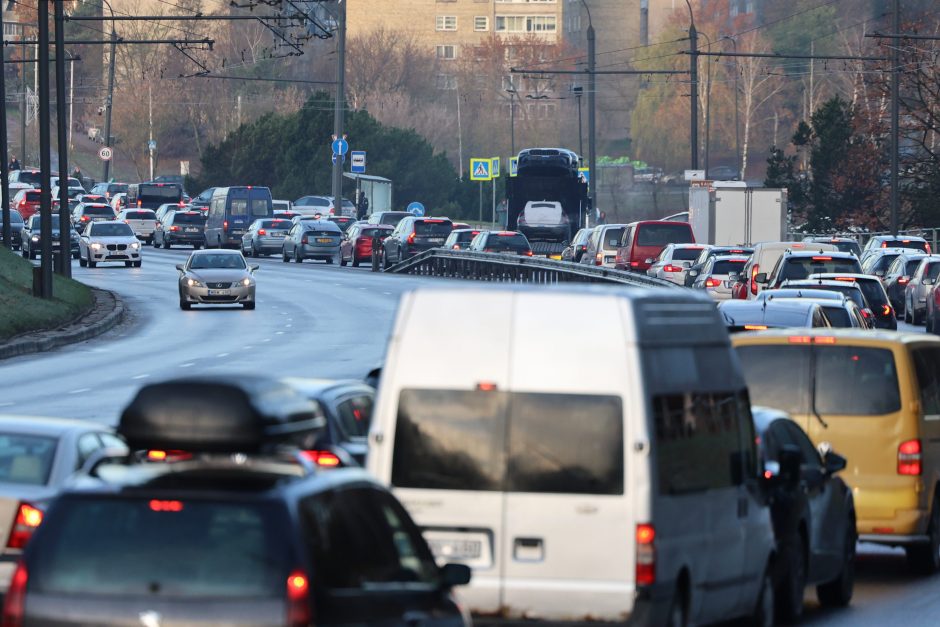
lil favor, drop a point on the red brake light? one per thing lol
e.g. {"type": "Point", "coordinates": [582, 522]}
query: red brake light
{"type": "Point", "coordinates": [909, 458]}
{"type": "Point", "coordinates": [456, 246]}
{"type": "Point", "coordinates": [927, 248]}
{"type": "Point", "coordinates": [884, 244]}
{"type": "Point", "coordinates": [411, 238]}
{"type": "Point", "coordinates": [28, 519]}
{"type": "Point", "coordinates": [298, 607]}
{"type": "Point", "coordinates": [262, 232]}
{"type": "Point", "coordinates": [634, 264]}
{"type": "Point", "coordinates": [156, 456]}
{"type": "Point", "coordinates": [486, 386]}
{"type": "Point", "coordinates": [886, 310]}
{"type": "Point", "coordinates": [304, 240]}
{"type": "Point", "coordinates": [174, 228]}
{"type": "Point", "coordinates": [645, 554]}
{"type": "Point", "coordinates": [822, 258]}
{"type": "Point", "coordinates": [904, 280]}
{"type": "Point", "coordinates": [15, 602]}
{"type": "Point", "coordinates": [671, 268]}
{"type": "Point", "coordinates": [158, 505]}
{"type": "Point", "coordinates": [323, 458]}
{"type": "Point", "coordinates": [710, 282]}
{"type": "Point", "coordinates": [800, 339]}
{"type": "Point", "coordinates": [528, 253]}
{"type": "Point", "coordinates": [225, 225]}
{"type": "Point", "coordinates": [85, 218]}
{"type": "Point", "coordinates": [755, 327]}
{"type": "Point", "coordinates": [754, 272]}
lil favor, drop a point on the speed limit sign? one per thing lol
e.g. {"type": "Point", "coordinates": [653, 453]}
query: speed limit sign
{"type": "Point", "coordinates": [105, 153]}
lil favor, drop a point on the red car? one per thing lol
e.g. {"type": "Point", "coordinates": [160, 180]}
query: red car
{"type": "Point", "coordinates": [26, 202]}
{"type": "Point", "coordinates": [643, 241]}
{"type": "Point", "coordinates": [357, 247]}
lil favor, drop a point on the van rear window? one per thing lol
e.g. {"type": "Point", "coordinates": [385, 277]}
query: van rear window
{"type": "Point", "coordinates": [777, 376]}
{"type": "Point", "coordinates": [433, 229]}
{"type": "Point", "coordinates": [686, 254]}
{"type": "Point", "coordinates": [663, 234]}
{"type": "Point", "coordinates": [519, 442]}
{"type": "Point", "coordinates": [166, 548]}
{"type": "Point", "coordinates": [856, 381]}
{"type": "Point", "coordinates": [612, 238]}
{"type": "Point", "coordinates": [798, 268]}
{"type": "Point", "coordinates": [905, 243]}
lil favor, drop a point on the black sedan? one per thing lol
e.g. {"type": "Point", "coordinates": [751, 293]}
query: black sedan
{"type": "Point", "coordinates": [31, 238]}
{"type": "Point", "coordinates": [347, 407]}
{"type": "Point", "coordinates": [16, 228]}
{"type": "Point", "coordinates": [813, 515]}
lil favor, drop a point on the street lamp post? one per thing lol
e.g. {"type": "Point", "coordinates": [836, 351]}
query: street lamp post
{"type": "Point", "coordinates": [577, 94]}
{"type": "Point", "coordinates": [512, 117]}
{"type": "Point", "coordinates": [708, 105]}
{"type": "Point", "coordinates": [693, 71]}
{"type": "Point", "coordinates": [593, 182]}
{"type": "Point", "coordinates": [109, 103]}
{"type": "Point", "coordinates": [737, 126]}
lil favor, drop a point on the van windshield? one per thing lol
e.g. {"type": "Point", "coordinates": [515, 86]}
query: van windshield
{"type": "Point", "coordinates": [849, 380]}
{"type": "Point", "coordinates": [663, 234]}
{"type": "Point", "coordinates": [163, 548]}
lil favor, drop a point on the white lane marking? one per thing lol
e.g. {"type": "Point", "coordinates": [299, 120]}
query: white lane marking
{"type": "Point", "coordinates": [266, 340]}
{"type": "Point", "coordinates": [7, 404]}
{"type": "Point", "coordinates": [362, 288]}
{"type": "Point", "coordinates": [279, 333]}
{"type": "Point", "coordinates": [187, 365]}
{"type": "Point", "coordinates": [387, 293]}
{"type": "Point", "coordinates": [222, 355]}
{"type": "Point", "coordinates": [141, 376]}
{"type": "Point", "coordinates": [247, 348]}
{"type": "Point", "coordinates": [80, 390]}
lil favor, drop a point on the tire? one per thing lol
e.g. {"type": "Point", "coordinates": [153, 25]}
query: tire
{"type": "Point", "coordinates": [92, 264]}
{"type": "Point", "coordinates": [32, 253]}
{"type": "Point", "coordinates": [298, 256]}
{"type": "Point", "coordinates": [763, 613]}
{"type": "Point", "coordinates": [248, 306]}
{"type": "Point", "coordinates": [355, 261]}
{"type": "Point", "coordinates": [25, 253]}
{"type": "Point", "coordinates": [166, 244]}
{"type": "Point", "coordinates": [928, 321]}
{"type": "Point", "coordinates": [925, 558]}
{"type": "Point", "coordinates": [154, 242]}
{"type": "Point", "coordinates": [838, 592]}
{"type": "Point", "coordinates": [76, 255]}
{"type": "Point", "coordinates": [254, 251]}
{"type": "Point", "coordinates": [792, 586]}
{"type": "Point", "coordinates": [329, 261]}
{"type": "Point", "coordinates": [342, 261]}
{"type": "Point", "coordinates": [185, 306]}
{"type": "Point", "coordinates": [678, 612]}
{"type": "Point", "coordinates": [138, 263]}
{"type": "Point", "coordinates": [385, 263]}
{"type": "Point", "coordinates": [82, 262]}
{"type": "Point", "coordinates": [128, 264]}
{"type": "Point", "coordinates": [284, 256]}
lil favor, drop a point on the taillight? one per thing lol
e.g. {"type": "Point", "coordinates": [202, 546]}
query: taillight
{"type": "Point", "coordinates": [174, 228]}
{"type": "Point", "coordinates": [323, 458]}
{"type": "Point", "coordinates": [28, 519]}
{"type": "Point", "coordinates": [225, 225]}
{"type": "Point", "coordinates": [671, 268]}
{"type": "Point", "coordinates": [927, 247]}
{"type": "Point", "coordinates": [298, 605]}
{"type": "Point", "coordinates": [411, 238]}
{"type": "Point", "coordinates": [886, 310]}
{"type": "Point", "coordinates": [528, 253]}
{"type": "Point", "coordinates": [599, 259]}
{"type": "Point", "coordinates": [645, 555]}
{"type": "Point", "coordinates": [909, 458]}
{"type": "Point", "coordinates": [904, 280]}
{"type": "Point", "coordinates": [262, 232]}
{"type": "Point", "coordinates": [15, 602]}
{"type": "Point", "coordinates": [634, 264]}
{"type": "Point", "coordinates": [884, 244]}
{"type": "Point", "coordinates": [456, 246]}
{"type": "Point", "coordinates": [85, 218]}
{"type": "Point", "coordinates": [304, 240]}
{"type": "Point", "coordinates": [754, 272]}
{"type": "Point", "coordinates": [710, 282]}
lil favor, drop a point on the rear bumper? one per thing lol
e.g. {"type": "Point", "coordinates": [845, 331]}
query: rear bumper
{"type": "Point", "coordinates": [319, 252]}
{"type": "Point", "coordinates": [184, 238]}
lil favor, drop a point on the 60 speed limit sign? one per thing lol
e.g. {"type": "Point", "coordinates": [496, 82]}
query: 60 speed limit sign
{"type": "Point", "coordinates": [105, 153]}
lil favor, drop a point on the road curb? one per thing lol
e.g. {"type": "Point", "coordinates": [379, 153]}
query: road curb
{"type": "Point", "coordinates": [106, 312]}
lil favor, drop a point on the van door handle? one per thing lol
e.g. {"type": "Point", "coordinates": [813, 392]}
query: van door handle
{"type": "Point", "coordinates": [528, 549]}
{"type": "Point", "coordinates": [742, 507]}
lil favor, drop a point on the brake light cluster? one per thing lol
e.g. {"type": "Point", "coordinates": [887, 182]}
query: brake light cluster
{"type": "Point", "coordinates": [262, 232]}
{"type": "Point", "coordinates": [710, 282]}
{"type": "Point", "coordinates": [806, 339]}
{"type": "Point", "coordinates": [298, 606]}
{"type": "Point", "coordinates": [909, 458]}
{"type": "Point", "coordinates": [754, 272]}
{"type": "Point", "coordinates": [645, 554]}
{"type": "Point", "coordinates": [28, 519]}
{"type": "Point", "coordinates": [324, 459]}
{"type": "Point", "coordinates": [672, 268]}
{"type": "Point", "coordinates": [15, 603]}
{"type": "Point", "coordinates": [411, 239]}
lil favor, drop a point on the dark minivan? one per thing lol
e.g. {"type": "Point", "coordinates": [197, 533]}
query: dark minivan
{"type": "Point", "coordinates": [237, 532]}
{"type": "Point", "coordinates": [152, 195]}
{"type": "Point", "coordinates": [232, 211]}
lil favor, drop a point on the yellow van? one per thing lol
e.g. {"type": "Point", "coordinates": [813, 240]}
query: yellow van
{"type": "Point", "coordinates": [875, 398]}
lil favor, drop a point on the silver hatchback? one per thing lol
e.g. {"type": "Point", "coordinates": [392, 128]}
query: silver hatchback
{"type": "Point", "coordinates": [216, 277]}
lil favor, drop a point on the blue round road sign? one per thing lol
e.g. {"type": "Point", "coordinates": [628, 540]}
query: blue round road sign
{"type": "Point", "coordinates": [416, 209]}
{"type": "Point", "coordinates": [340, 146]}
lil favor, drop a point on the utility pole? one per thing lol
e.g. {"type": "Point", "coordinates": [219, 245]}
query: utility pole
{"type": "Point", "coordinates": [577, 94]}
{"type": "Point", "coordinates": [459, 136]}
{"type": "Point", "coordinates": [340, 104]}
{"type": "Point", "coordinates": [23, 156]}
{"type": "Point", "coordinates": [45, 158]}
{"type": "Point", "coordinates": [895, 115]}
{"type": "Point", "coordinates": [64, 265]}
{"type": "Point", "coordinates": [4, 161]}
{"type": "Point", "coordinates": [71, 101]}
{"type": "Point", "coordinates": [150, 135]}
{"type": "Point", "coordinates": [693, 73]}
{"type": "Point", "coordinates": [708, 107]}
{"type": "Point", "coordinates": [108, 103]}
{"type": "Point", "coordinates": [593, 174]}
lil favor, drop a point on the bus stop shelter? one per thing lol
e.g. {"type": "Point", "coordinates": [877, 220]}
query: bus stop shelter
{"type": "Point", "coordinates": [376, 188]}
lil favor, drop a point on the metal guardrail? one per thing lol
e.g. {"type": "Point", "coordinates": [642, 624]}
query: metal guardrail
{"type": "Point", "coordinates": [459, 264]}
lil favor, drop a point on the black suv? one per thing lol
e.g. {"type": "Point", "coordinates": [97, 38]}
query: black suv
{"type": "Point", "coordinates": [30, 237]}
{"type": "Point", "coordinates": [415, 235]}
{"type": "Point", "coordinates": [240, 530]}
{"type": "Point", "coordinates": [798, 265]}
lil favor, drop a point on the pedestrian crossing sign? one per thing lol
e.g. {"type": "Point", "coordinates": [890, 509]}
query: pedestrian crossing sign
{"type": "Point", "coordinates": [513, 166]}
{"type": "Point", "coordinates": [480, 169]}
{"type": "Point", "coordinates": [495, 169]}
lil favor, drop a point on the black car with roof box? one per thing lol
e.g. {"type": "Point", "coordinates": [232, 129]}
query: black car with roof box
{"type": "Point", "coordinates": [242, 531]}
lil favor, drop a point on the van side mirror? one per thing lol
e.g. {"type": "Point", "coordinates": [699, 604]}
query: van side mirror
{"type": "Point", "coordinates": [761, 278]}
{"type": "Point", "coordinates": [790, 460]}
{"type": "Point", "coordinates": [834, 462]}
{"type": "Point", "coordinates": [455, 575]}
{"type": "Point", "coordinates": [928, 281]}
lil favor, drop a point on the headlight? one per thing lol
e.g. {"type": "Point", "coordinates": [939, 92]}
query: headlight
{"type": "Point", "coordinates": [95, 246]}
{"type": "Point", "coordinates": [247, 282]}
{"type": "Point", "coordinates": [194, 283]}
{"type": "Point", "coordinates": [135, 245]}
{"type": "Point", "coordinates": [35, 238]}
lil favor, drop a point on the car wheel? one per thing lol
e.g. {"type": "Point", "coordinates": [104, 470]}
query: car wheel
{"type": "Point", "coordinates": [138, 263]}
{"type": "Point", "coordinates": [185, 306]}
{"type": "Point", "coordinates": [284, 256]}
{"type": "Point", "coordinates": [355, 261]}
{"type": "Point", "coordinates": [76, 255]}
{"type": "Point", "coordinates": [793, 581]}
{"type": "Point", "coordinates": [298, 256]}
{"type": "Point", "coordinates": [925, 558]}
{"type": "Point", "coordinates": [166, 244]}
{"type": "Point", "coordinates": [385, 262]}
{"type": "Point", "coordinates": [838, 592]}
{"type": "Point", "coordinates": [155, 243]}
{"type": "Point", "coordinates": [81, 261]}
{"type": "Point", "coordinates": [763, 614]}
{"type": "Point", "coordinates": [342, 261]}
{"type": "Point", "coordinates": [128, 264]}
{"type": "Point", "coordinates": [329, 261]}
{"type": "Point", "coordinates": [32, 253]}
{"type": "Point", "coordinates": [248, 306]}
{"type": "Point", "coordinates": [677, 610]}
{"type": "Point", "coordinates": [928, 321]}
{"type": "Point", "coordinates": [25, 253]}
{"type": "Point", "coordinates": [92, 263]}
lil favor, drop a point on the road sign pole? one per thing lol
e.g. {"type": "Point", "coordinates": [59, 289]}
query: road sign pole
{"type": "Point", "coordinates": [64, 265]}
{"type": "Point", "coordinates": [339, 111]}
{"type": "Point", "coordinates": [481, 202]}
{"type": "Point", "coordinates": [494, 201]}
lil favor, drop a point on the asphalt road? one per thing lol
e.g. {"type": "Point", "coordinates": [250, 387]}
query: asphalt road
{"type": "Point", "coordinates": [313, 320]}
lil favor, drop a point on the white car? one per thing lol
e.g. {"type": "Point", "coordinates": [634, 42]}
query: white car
{"type": "Point", "coordinates": [142, 221]}
{"type": "Point", "coordinates": [75, 187]}
{"type": "Point", "coordinates": [118, 201]}
{"type": "Point", "coordinates": [675, 260]}
{"type": "Point", "coordinates": [719, 274]}
{"type": "Point", "coordinates": [105, 242]}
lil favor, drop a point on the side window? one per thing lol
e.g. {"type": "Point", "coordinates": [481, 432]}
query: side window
{"type": "Point", "coordinates": [811, 457]}
{"type": "Point", "coordinates": [358, 539]}
{"type": "Point", "coordinates": [927, 365]}
{"type": "Point", "coordinates": [87, 444]}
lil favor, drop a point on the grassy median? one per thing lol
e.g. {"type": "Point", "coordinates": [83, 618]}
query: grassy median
{"type": "Point", "coordinates": [20, 312]}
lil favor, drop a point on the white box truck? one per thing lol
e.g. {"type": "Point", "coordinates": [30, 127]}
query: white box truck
{"type": "Point", "coordinates": [727, 216]}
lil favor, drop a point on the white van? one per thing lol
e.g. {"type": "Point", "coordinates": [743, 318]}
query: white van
{"type": "Point", "coordinates": [625, 488]}
{"type": "Point", "coordinates": [765, 258]}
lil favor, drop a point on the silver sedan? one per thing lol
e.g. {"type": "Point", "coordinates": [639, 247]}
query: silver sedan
{"type": "Point", "coordinates": [216, 277]}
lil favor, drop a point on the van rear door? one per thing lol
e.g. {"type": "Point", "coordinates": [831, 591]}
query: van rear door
{"type": "Point", "coordinates": [568, 544]}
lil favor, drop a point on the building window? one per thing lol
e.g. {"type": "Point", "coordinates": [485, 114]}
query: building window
{"type": "Point", "coordinates": [510, 23]}
{"type": "Point", "coordinates": [749, 6]}
{"type": "Point", "coordinates": [11, 30]}
{"type": "Point", "coordinates": [446, 81]}
{"type": "Point", "coordinates": [447, 53]}
{"type": "Point", "coordinates": [481, 23]}
{"type": "Point", "coordinates": [446, 22]}
{"type": "Point", "coordinates": [540, 24]}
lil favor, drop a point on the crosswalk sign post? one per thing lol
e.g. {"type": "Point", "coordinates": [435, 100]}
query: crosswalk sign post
{"type": "Point", "coordinates": [513, 166]}
{"type": "Point", "coordinates": [481, 170]}
{"type": "Point", "coordinates": [586, 175]}
{"type": "Point", "coordinates": [494, 171]}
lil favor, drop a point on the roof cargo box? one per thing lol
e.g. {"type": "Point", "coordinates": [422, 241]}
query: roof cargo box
{"type": "Point", "coordinates": [215, 414]}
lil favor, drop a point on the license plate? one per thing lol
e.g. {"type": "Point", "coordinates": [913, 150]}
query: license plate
{"type": "Point", "coordinates": [456, 549]}
{"type": "Point", "coordinates": [192, 230]}
{"type": "Point", "coordinates": [609, 259]}
{"type": "Point", "coordinates": [220, 292]}
{"type": "Point", "coordinates": [324, 240]}
{"type": "Point", "coordinates": [436, 240]}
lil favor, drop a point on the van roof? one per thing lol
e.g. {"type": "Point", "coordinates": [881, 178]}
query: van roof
{"type": "Point", "coordinates": [848, 336]}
